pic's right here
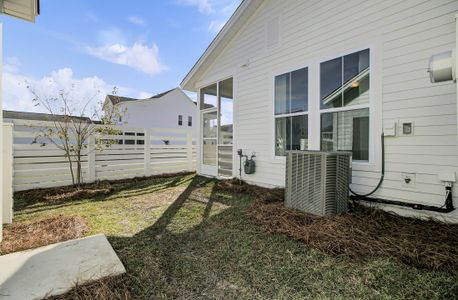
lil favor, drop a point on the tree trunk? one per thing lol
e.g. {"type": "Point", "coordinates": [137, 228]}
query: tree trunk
{"type": "Point", "coordinates": [71, 167]}
{"type": "Point", "coordinates": [78, 167]}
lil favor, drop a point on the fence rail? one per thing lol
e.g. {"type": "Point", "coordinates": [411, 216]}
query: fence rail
{"type": "Point", "coordinates": [135, 152]}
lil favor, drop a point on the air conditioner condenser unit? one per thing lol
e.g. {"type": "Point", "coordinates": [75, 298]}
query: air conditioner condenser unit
{"type": "Point", "coordinates": [318, 182]}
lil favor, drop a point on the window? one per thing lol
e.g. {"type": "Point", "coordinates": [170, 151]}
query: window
{"type": "Point", "coordinates": [344, 102]}
{"type": "Point", "coordinates": [140, 142]}
{"type": "Point", "coordinates": [291, 111]}
{"type": "Point", "coordinates": [189, 121]}
{"type": "Point", "coordinates": [180, 120]}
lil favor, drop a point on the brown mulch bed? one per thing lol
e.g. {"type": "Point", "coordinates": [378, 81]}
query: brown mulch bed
{"type": "Point", "coordinates": [84, 191]}
{"type": "Point", "coordinates": [22, 236]}
{"type": "Point", "coordinates": [363, 232]}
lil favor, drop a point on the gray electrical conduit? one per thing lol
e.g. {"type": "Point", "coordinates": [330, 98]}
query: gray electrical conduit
{"type": "Point", "coordinates": [447, 207]}
{"type": "Point", "coordinates": [382, 176]}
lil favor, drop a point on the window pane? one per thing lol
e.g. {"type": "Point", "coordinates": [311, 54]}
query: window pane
{"type": "Point", "coordinates": [356, 78]}
{"type": "Point", "coordinates": [209, 125]}
{"type": "Point", "coordinates": [208, 97]}
{"type": "Point", "coordinates": [282, 135]}
{"type": "Point", "coordinates": [226, 111]}
{"type": "Point", "coordinates": [361, 138]}
{"type": "Point", "coordinates": [355, 63]}
{"type": "Point", "coordinates": [209, 152]}
{"type": "Point", "coordinates": [346, 131]}
{"type": "Point", "coordinates": [327, 132]}
{"type": "Point", "coordinates": [299, 90]}
{"type": "Point", "coordinates": [299, 133]}
{"type": "Point", "coordinates": [331, 83]}
{"type": "Point", "coordinates": [282, 90]}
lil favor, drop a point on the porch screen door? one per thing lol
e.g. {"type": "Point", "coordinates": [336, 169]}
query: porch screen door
{"type": "Point", "coordinates": [216, 103]}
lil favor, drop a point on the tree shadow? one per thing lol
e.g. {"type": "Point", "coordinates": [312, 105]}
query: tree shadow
{"type": "Point", "coordinates": [35, 203]}
{"type": "Point", "coordinates": [204, 247]}
{"type": "Point", "coordinates": [167, 255]}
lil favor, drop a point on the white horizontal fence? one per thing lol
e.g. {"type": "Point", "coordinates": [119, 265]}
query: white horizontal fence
{"type": "Point", "coordinates": [134, 152]}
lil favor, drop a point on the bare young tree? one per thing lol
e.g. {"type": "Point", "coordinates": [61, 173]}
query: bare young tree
{"type": "Point", "coordinates": [71, 124]}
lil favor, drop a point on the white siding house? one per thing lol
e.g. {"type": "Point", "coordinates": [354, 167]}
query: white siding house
{"type": "Point", "coordinates": [170, 109]}
{"type": "Point", "coordinates": [334, 75]}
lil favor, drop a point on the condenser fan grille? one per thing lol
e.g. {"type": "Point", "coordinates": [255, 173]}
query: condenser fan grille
{"type": "Point", "coordinates": [318, 182]}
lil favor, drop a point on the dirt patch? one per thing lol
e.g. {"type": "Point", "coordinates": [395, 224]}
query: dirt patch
{"type": "Point", "coordinates": [365, 232]}
{"type": "Point", "coordinates": [22, 236]}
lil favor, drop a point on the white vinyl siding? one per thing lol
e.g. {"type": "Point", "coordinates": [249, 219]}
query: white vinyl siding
{"type": "Point", "coordinates": [402, 35]}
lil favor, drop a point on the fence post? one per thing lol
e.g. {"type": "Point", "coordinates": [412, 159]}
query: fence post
{"type": "Point", "coordinates": [147, 157]}
{"type": "Point", "coordinates": [189, 150]}
{"type": "Point", "coordinates": [91, 153]}
{"type": "Point", "coordinates": [7, 174]}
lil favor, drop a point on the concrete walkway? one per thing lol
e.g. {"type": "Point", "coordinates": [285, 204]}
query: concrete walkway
{"type": "Point", "coordinates": [54, 269]}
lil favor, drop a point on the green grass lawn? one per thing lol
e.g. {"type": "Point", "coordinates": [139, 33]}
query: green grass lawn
{"type": "Point", "coordinates": [179, 238]}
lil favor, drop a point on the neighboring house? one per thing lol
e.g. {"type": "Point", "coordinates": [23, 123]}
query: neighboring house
{"type": "Point", "coordinates": [171, 109]}
{"type": "Point", "coordinates": [332, 75]}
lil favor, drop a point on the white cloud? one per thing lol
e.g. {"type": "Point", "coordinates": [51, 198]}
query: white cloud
{"type": "Point", "coordinates": [144, 95]}
{"type": "Point", "coordinates": [219, 10]}
{"type": "Point", "coordinates": [139, 56]}
{"type": "Point", "coordinates": [136, 20]}
{"type": "Point", "coordinates": [12, 64]}
{"type": "Point", "coordinates": [204, 6]}
{"type": "Point", "coordinates": [17, 95]}
{"type": "Point", "coordinates": [110, 36]}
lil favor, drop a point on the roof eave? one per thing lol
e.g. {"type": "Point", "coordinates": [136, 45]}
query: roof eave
{"type": "Point", "coordinates": [239, 17]}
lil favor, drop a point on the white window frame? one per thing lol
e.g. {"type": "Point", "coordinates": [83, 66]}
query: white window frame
{"type": "Point", "coordinates": [314, 107]}
{"type": "Point", "coordinates": [306, 113]}
{"type": "Point", "coordinates": [352, 107]}
{"type": "Point", "coordinates": [180, 120]}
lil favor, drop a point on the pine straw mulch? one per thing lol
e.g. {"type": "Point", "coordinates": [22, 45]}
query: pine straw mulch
{"type": "Point", "coordinates": [363, 232]}
{"type": "Point", "coordinates": [22, 236]}
{"type": "Point", "coordinates": [84, 191]}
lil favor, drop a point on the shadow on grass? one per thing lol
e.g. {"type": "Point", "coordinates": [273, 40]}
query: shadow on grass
{"type": "Point", "coordinates": [191, 253]}
{"type": "Point", "coordinates": [35, 200]}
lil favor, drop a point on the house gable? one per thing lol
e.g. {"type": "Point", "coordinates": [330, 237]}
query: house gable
{"type": "Point", "coordinates": [284, 36]}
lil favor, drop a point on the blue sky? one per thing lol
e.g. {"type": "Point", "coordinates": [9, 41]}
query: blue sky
{"type": "Point", "coordinates": [143, 48]}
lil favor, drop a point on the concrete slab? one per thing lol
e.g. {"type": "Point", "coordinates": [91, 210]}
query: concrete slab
{"type": "Point", "coordinates": [54, 269]}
